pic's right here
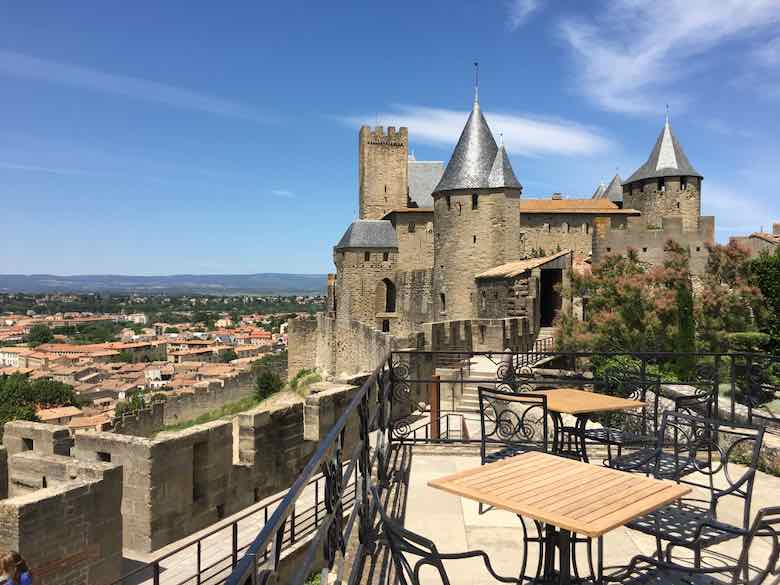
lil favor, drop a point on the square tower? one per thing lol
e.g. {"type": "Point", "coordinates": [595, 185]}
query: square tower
{"type": "Point", "coordinates": [383, 171]}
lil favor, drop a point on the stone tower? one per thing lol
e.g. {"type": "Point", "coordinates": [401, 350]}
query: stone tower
{"type": "Point", "coordinates": [383, 174]}
{"type": "Point", "coordinates": [475, 217]}
{"type": "Point", "coordinates": [667, 185]}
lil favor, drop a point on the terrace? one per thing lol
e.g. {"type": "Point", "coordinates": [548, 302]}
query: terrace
{"type": "Point", "coordinates": [418, 418]}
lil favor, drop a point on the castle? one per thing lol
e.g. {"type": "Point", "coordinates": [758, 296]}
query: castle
{"type": "Point", "coordinates": [457, 255]}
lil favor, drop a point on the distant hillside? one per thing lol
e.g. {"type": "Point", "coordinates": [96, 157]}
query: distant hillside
{"type": "Point", "coordinates": [229, 284]}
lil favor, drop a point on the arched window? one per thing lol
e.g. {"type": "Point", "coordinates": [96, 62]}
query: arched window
{"type": "Point", "coordinates": [474, 201]}
{"type": "Point", "coordinates": [443, 300]}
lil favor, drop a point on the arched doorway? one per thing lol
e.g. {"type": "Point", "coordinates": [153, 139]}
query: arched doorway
{"type": "Point", "coordinates": [389, 295]}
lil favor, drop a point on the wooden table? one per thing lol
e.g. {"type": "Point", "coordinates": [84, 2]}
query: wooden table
{"type": "Point", "coordinates": [568, 497]}
{"type": "Point", "coordinates": [580, 404]}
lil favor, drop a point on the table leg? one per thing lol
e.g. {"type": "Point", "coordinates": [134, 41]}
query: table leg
{"type": "Point", "coordinates": [564, 569]}
{"type": "Point", "coordinates": [582, 422]}
{"type": "Point", "coordinates": [557, 444]}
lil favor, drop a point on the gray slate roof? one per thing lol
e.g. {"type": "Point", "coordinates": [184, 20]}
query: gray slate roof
{"type": "Point", "coordinates": [423, 178]}
{"type": "Point", "coordinates": [599, 192]}
{"type": "Point", "coordinates": [368, 233]}
{"type": "Point", "coordinates": [501, 174]}
{"type": "Point", "coordinates": [666, 160]}
{"type": "Point", "coordinates": [472, 159]}
{"type": "Point", "coordinates": [614, 191]}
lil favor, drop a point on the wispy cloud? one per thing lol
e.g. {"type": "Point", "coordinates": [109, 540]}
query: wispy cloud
{"type": "Point", "coordinates": [736, 211]}
{"type": "Point", "coordinates": [25, 66]}
{"type": "Point", "coordinates": [519, 11]}
{"type": "Point", "coordinates": [768, 54]}
{"type": "Point", "coordinates": [52, 170]}
{"type": "Point", "coordinates": [632, 55]}
{"type": "Point", "coordinates": [527, 135]}
{"type": "Point", "coordinates": [283, 193]}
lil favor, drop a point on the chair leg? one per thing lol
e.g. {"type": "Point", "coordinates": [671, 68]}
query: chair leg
{"type": "Point", "coordinates": [697, 557]}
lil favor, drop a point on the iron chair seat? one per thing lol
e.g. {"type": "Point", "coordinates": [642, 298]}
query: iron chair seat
{"type": "Point", "coordinates": [618, 437]}
{"type": "Point", "coordinates": [503, 454]}
{"type": "Point", "coordinates": [644, 461]}
{"type": "Point", "coordinates": [684, 523]}
{"type": "Point", "coordinates": [412, 552]}
{"type": "Point", "coordinates": [643, 570]}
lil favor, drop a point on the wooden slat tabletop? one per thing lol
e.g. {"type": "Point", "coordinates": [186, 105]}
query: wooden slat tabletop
{"type": "Point", "coordinates": [587, 499]}
{"type": "Point", "coordinates": [574, 401]}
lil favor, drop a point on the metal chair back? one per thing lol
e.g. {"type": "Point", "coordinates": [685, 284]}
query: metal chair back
{"type": "Point", "coordinates": [512, 422]}
{"type": "Point", "coordinates": [703, 453]}
{"type": "Point", "coordinates": [632, 385]}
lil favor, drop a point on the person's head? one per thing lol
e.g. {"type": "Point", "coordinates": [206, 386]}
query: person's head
{"type": "Point", "coordinates": [13, 565]}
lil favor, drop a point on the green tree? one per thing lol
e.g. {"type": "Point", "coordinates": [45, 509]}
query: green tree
{"type": "Point", "coordinates": [171, 330]}
{"type": "Point", "coordinates": [227, 355]}
{"type": "Point", "coordinates": [39, 334]}
{"type": "Point", "coordinates": [765, 274]}
{"type": "Point", "coordinates": [267, 382]}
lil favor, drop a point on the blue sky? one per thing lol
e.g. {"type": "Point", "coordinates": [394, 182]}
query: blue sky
{"type": "Point", "coordinates": [191, 137]}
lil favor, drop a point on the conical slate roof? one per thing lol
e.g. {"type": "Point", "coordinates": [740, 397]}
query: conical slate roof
{"type": "Point", "coordinates": [368, 233]}
{"type": "Point", "coordinates": [472, 159]}
{"type": "Point", "coordinates": [666, 160]}
{"type": "Point", "coordinates": [599, 192]}
{"type": "Point", "coordinates": [501, 174]}
{"type": "Point", "coordinates": [614, 191]}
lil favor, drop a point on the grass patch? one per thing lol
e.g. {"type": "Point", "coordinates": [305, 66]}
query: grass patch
{"type": "Point", "coordinates": [225, 411]}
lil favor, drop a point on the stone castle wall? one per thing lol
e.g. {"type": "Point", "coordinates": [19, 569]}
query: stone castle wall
{"type": "Point", "coordinates": [64, 518]}
{"type": "Point", "coordinates": [468, 241]}
{"type": "Point", "coordinates": [649, 241]}
{"type": "Point", "coordinates": [360, 291]}
{"type": "Point", "coordinates": [557, 231]}
{"type": "Point", "coordinates": [414, 304]}
{"type": "Point", "coordinates": [301, 346]}
{"type": "Point", "coordinates": [415, 240]}
{"type": "Point", "coordinates": [382, 170]}
{"type": "Point", "coordinates": [670, 202]}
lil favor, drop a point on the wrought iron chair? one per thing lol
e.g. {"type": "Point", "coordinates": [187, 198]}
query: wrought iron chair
{"type": "Point", "coordinates": [628, 429]}
{"type": "Point", "coordinates": [700, 452]}
{"type": "Point", "coordinates": [643, 570]}
{"type": "Point", "coordinates": [511, 423]}
{"type": "Point", "coordinates": [411, 552]}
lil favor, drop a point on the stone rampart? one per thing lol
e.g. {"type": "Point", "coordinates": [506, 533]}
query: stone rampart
{"type": "Point", "coordinates": [70, 531]}
{"type": "Point", "coordinates": [643, 236]}
{"type": "Point", "coordinates": [40, 438]}
{"type": "Point", "coordinates": [301, 345]}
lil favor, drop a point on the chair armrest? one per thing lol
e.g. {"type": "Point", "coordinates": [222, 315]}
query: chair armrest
{"type": "Point", "coordinates": [643, 461]}
{"type": "Point", "coordinates": [624, 572]}
{"type": "Point", "coordinates": [478, 553]}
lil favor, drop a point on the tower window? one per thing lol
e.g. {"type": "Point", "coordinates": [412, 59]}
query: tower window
{"type": "Point", "coordinates": [385, 256]}
{"type": "Point", "coordinates": [474, 201]}
{"type": "Point", "coordinates": [474, 239]}
{"type": "Point", "coordinates": [644, 249]}
{"type": "Point", "coordinates": [443, 301]}
{"type": "Point", "coordinates": [412, 227]}
{"type": "Point", "coordinates": [661, 185]}
{"type": "Point", "coordinates": [366, 256]}
{"type": "Point", "coordinates": [683, 183]}
{"type": "Point", "coordinates": [678, 205]}
{"type": "Point", "coordinates": [609, 249]}
{"type": "Point", "coordinates": [449, 202]}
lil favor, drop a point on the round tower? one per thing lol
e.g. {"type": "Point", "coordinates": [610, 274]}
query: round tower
{"type": "Point", "coordinates": [476, 219]}
{"type": "Point", "coordinates": [666, 185]}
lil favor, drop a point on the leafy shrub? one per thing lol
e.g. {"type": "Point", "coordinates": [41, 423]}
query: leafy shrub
{"type": "Point", "coordinates": [267, 383]}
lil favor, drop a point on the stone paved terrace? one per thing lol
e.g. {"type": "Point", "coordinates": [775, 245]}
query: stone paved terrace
{"type": "Point", "coordinates": [454, 524]}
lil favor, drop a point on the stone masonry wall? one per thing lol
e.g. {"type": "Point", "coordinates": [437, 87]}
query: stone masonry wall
{"type": "Point", "coordinates": [557, 231]}
{"type": "Point", "coordinates": [382, 170]}
{"type": "Point", "coordinates": [649, 242]}
{"type": "Point", "coordinates": [414, 303]}
{"type": "Point", "coordinates": [359, 288]}
{"type": "Point", "coordinates": [657, 205]}
{"type": "Point", "coordinates": [207, 395]}
{"type": "Point", "coordinates": [41, 438]}
{"type": "Point", "coordinates": [70, 532]}
{"type": "Point", "coordinates": [301, 345]}
{"type": "Point", "coordinates": [415, 239]}
{"type": "Point", "coordinates": [468, 241]}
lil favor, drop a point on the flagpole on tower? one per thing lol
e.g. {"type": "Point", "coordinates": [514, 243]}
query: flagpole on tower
{"type": "Point", "coordinates": [476, 81]}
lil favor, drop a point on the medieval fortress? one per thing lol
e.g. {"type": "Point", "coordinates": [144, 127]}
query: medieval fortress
{"type": "Point", "coordinates": [453, 257]}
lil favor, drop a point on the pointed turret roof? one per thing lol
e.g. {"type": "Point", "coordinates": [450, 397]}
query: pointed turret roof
{"type": "Point", "coordinates": [472, 159]}
{"type": "Point", "coordinates": [599, 192]}
{"type": "Point", "coordinates": [614, 191]}
{"type": "Point", "coordinates": [501, 174]}
{"type": "Point", "coordinates": [666, 160]}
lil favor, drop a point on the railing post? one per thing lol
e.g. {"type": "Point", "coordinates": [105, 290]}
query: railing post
{"type": "Point", "coordinates": [235, 543]}
{"type": "Point", "coordinates": [749, 386]}
{"type": "Point", "coordinates": [156, 573]}
{"type": "Point", "coordinates": [197, 561]}
{"type": "Point", "coordinates": [733, 389]}
{"type": "Point", "coordinates": [292, 526]}
{"type": "Point", "coordinates": [434, 394]}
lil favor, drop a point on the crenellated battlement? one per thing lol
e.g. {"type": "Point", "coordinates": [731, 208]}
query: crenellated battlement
{"type": "Point", "coordinates": [618, 235]}
{"type": "Point", "coordinates": [378, 136]}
